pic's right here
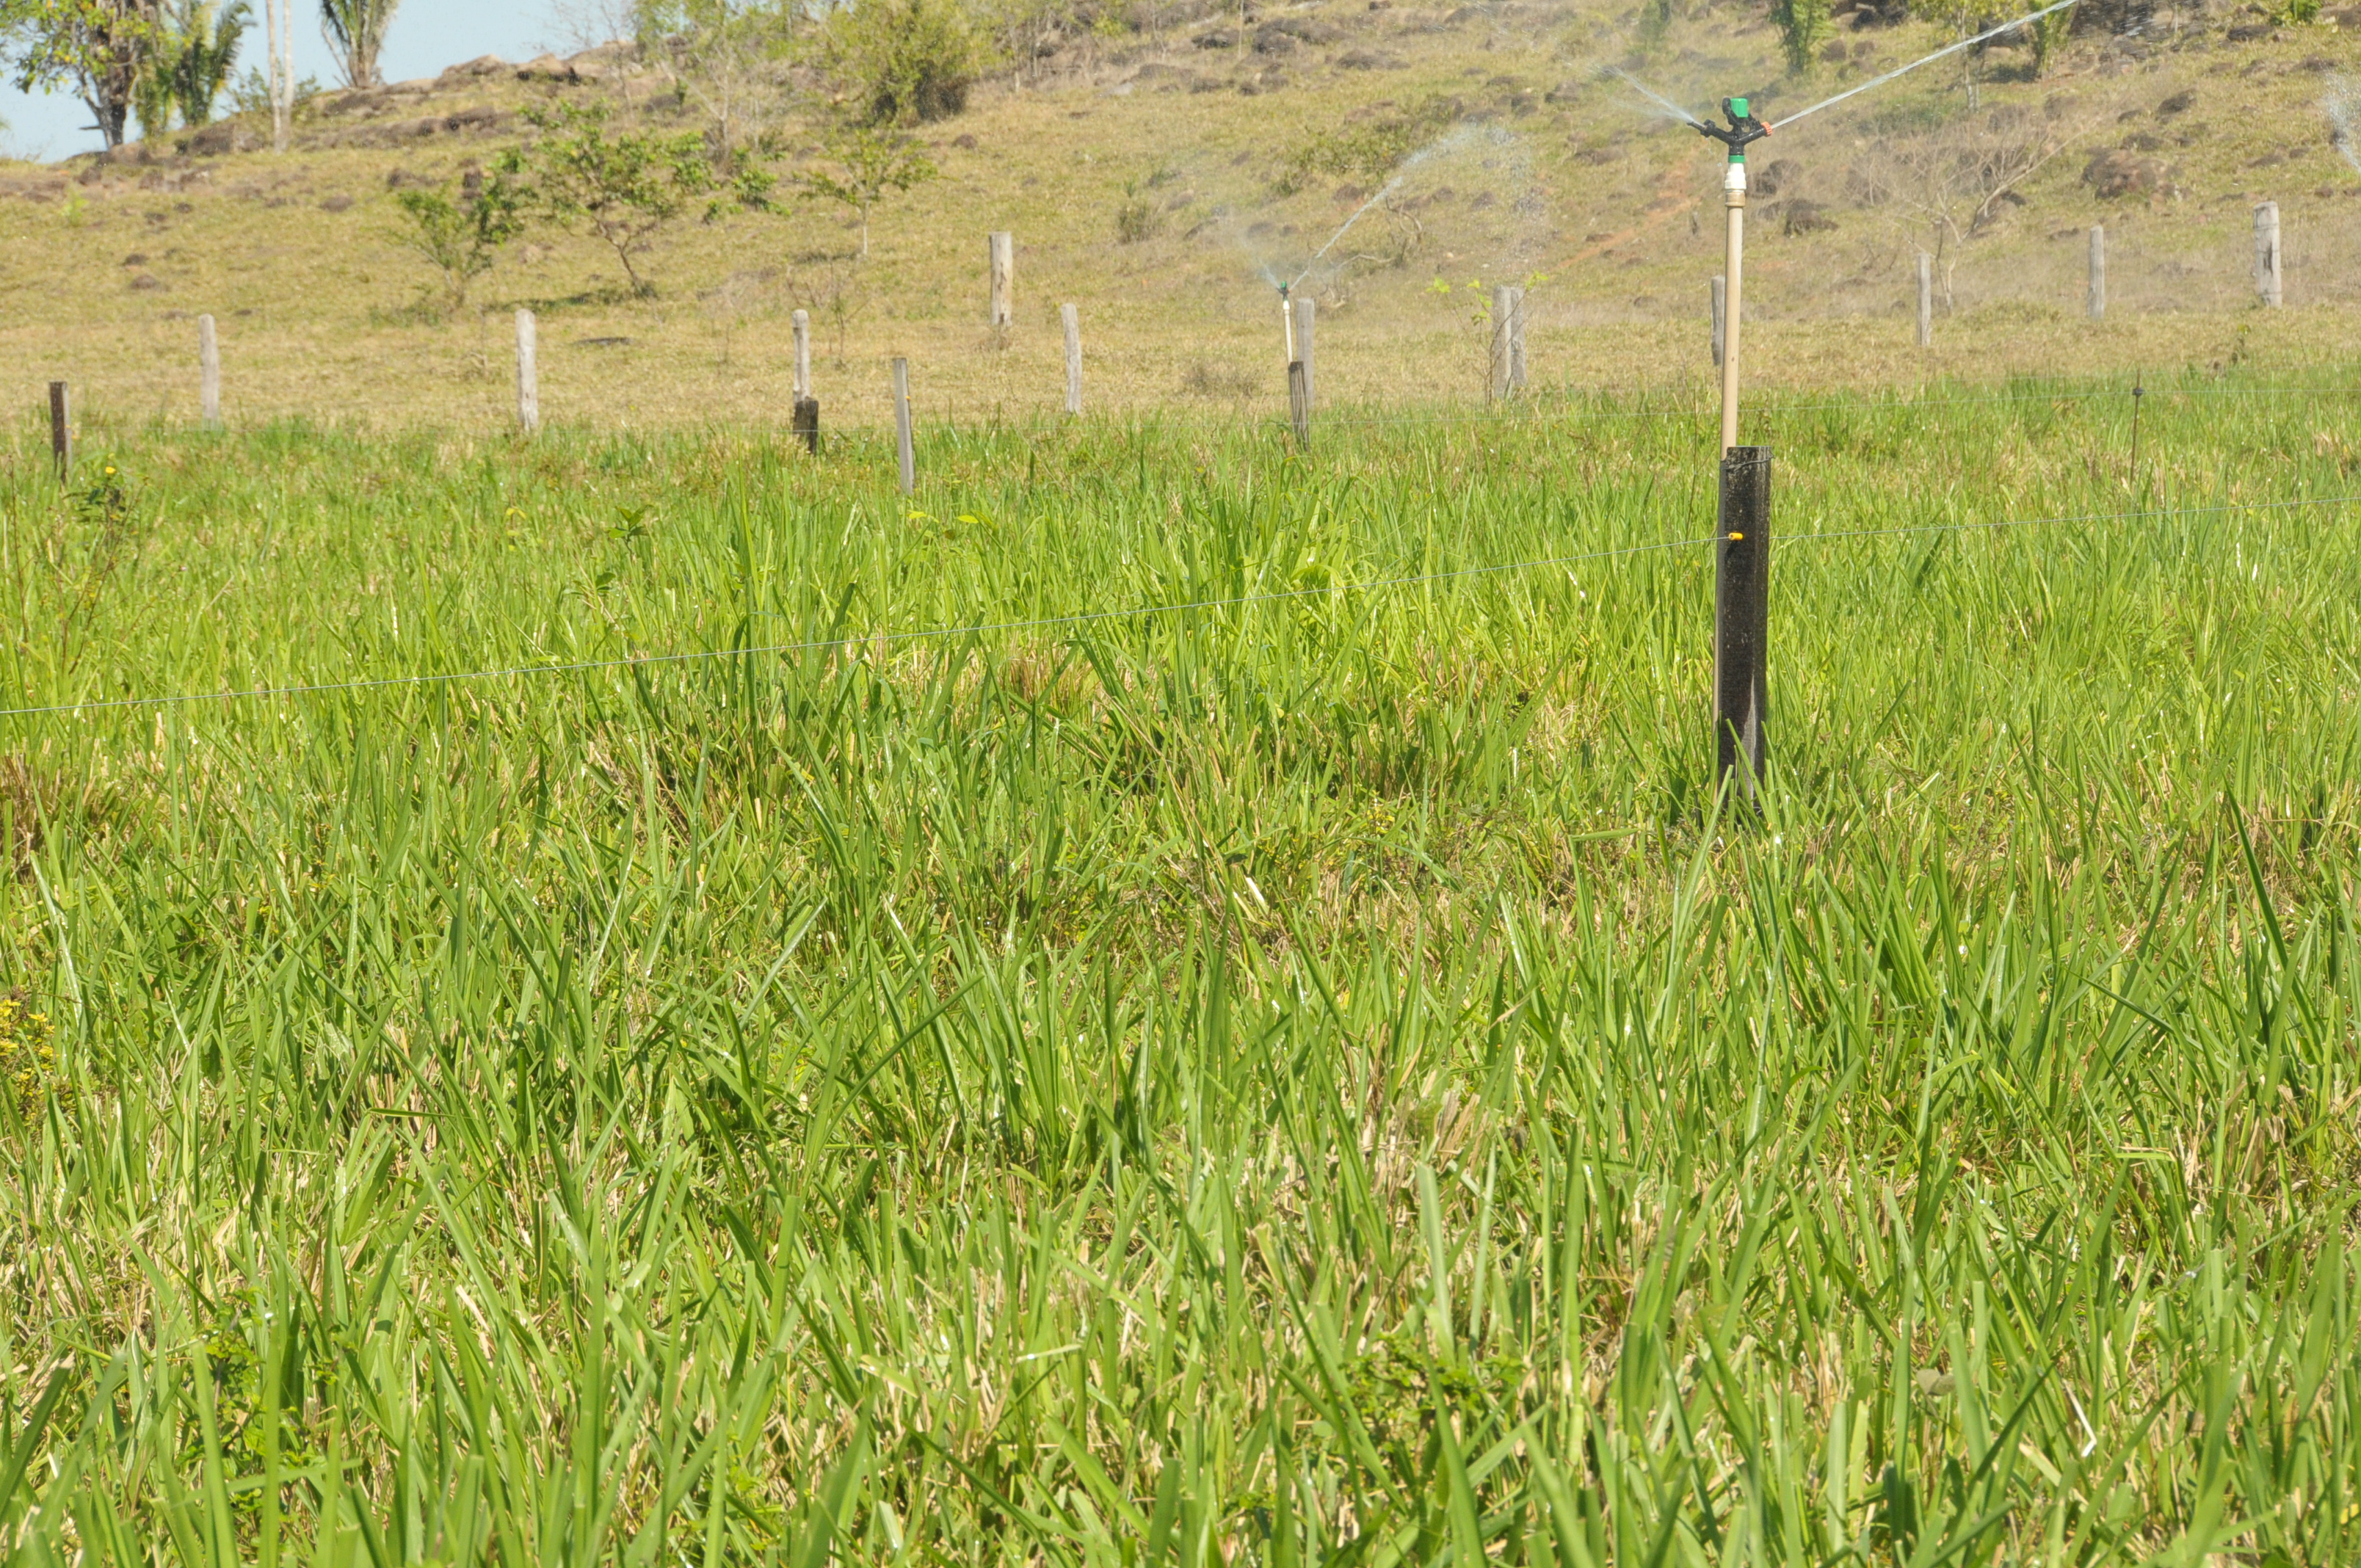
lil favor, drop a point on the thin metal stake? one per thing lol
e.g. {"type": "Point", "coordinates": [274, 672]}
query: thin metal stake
{"type": "Point", "coordinates": [60, 433]}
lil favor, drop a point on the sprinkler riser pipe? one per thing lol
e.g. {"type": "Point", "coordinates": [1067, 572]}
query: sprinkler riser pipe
{"type": "Point", "coordinates": [1287, 322]}
{"type": "Point", "coordinates": [1733, 198]}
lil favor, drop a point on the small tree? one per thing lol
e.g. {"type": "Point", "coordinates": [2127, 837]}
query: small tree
{"type": "Point", "coordinates": [623, 188]}
{"type": "Point", "coordinates": [460, 235]}
{"type": "Point", "coordinates": [728, 59]}
{"type": "Point", "coordinates": [866, 161]}
{"type": "Point", "coordinates": [357, 28]}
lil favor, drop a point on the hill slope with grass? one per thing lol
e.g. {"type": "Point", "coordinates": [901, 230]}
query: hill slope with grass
{"type": "Point", "coordinates": [1162, 176]}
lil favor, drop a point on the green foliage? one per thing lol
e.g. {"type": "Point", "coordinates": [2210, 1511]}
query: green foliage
{"type": "Point", "coordinates": [357, 29]}
{"type": "Point", "coordinates": [2295, 12]}
{"type": "Point", "coordinates": [205, 45]}
{"type": "Point", "coordinates": [2048, 37]}
{"type": "Point", "coordinates": [250, 93]}
{"type": "Point", "coordinates": [862, 163]}
{"type": "Point", "coordinates": [900, 61]}
{"type": "Point", "coordinates": [1804, 26]}
{"type": "Point", "coordinates": [729, 60]}
{"type": "Point", "coordinates": [459, 231]}
{"type": "Point", "coordinates": [1139, 216]}
{"type": "Point", "coordinates": [100, 49]}
{"type": "Point", "coordinates": [28, 1056]}
{"type": "Point", "coordinates": [1370, 150]}
{"type": "Point", "coordinates": [1234, 1085]}
{"type": "Point", "coordinates": [621, 187]}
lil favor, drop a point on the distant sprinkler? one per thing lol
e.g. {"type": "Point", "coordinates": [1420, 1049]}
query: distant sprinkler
{"type": "Point", "coordinates": [1287, 320]}
{"type": "Point", "coordinates": [1744, 128]}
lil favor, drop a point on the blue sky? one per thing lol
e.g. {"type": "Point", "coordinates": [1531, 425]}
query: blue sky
{"type": "Point", "coordinates": [426, 36]}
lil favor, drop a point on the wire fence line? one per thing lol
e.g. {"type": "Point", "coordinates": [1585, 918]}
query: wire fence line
{"type": "Point", "coordinates": [1539, 408]}
{"type": "Point", "coordinates": [1535, 409]}
{"type": "Point", "coordinates": [1087, 617]}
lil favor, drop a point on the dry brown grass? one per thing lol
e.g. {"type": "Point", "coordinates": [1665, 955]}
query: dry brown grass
{"type": "Point", "coordinates": [320, 312]}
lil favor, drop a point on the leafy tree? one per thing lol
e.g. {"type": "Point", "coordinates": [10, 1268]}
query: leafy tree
{"type": "Point", "coordinates": [358, 28]}
{"type": "Point", "coordinates": [623, 188]}
{"type": "Point", "coordinates": [98, 49]}
{"type": "Point", "coordinates": [864, 163]}
{"type": "Point", "coordinates": [460, 234]}
{"type": "Point", "coordinates": [901, 61]}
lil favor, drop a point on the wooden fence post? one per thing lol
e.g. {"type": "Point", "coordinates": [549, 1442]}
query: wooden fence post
{"type": "Point", "coordinates": [1719, 289]}
{"type": "Point", "coordinates": [2267, 254]}
{"type": "Point", "coordinates": [2098, 300]}
{"type": "Point", "coordinates": [208, 373]}
{"type": "Point", "coordinates": [1925, 300]}
{"type": "Point", "coordinates": [902, 448]}
{"type": "Point", "coordinates": [807, 407]}
{"type": "Point", "coordinates": [61, 432]}
{"type": "Point", "coordinates": [1004, 279]}
{"type": "Point", "coordinates": [1072, 316]}
{"type": "Point", "coordinates": [1741, 617]}
{"type": "Point", "coordinates": [528, 385]}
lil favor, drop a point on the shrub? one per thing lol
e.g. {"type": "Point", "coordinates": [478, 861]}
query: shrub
{"type": "Point", "coordinates": [459, 234]}
{"type": "Point", "coordinates": [1803, 26]}
{"type": "Point", "coordinates": [901, 61]}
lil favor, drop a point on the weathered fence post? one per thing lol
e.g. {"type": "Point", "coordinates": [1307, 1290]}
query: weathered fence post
{"type": "Point", "coordinates": [208, 373]}
{"type": "Point", "coordinates": [807, 407]}
{"type": "Point", "coordinates": [2266, 253]}
{"type": "Point", "coordinates": [60, 433]}
{"type": "Point", "coordinates": [1741, 617]}
{"type": "Point", "coordinates": [527, 376]}
{"type": "Point", "coordinates": [1003, 279]}
{"type": "Point", "coordinates": [1925, 300]}
{"type": "Point", "coordinates": [2098, 300]}
{"type": "Point", "coordinates": [1719, 286]}
{"type": "Point", "coordinates": [902, 448]}
{"type": "Point", "coordinates": [1072, 316]}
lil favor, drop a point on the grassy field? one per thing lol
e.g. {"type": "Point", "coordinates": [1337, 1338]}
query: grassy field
{"type": "Point", "coordinates": [1309, 1077]}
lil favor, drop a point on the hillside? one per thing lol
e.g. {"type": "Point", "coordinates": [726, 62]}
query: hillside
{"type": "Point", "coordinates": [1181, 136]}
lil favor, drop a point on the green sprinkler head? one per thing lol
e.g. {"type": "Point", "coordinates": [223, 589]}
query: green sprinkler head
{"type": "Point", "coordinates": [1744, 128]}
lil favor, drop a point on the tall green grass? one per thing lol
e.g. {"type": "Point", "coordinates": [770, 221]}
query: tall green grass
{"type": "Point", "coordinates": [1313, 1078]}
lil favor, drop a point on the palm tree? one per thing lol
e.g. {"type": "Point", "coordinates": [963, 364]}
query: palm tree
{"type": "Point", "coordinates": [207, 40]}
{"type": "Point", "coordinates": [356, 30]}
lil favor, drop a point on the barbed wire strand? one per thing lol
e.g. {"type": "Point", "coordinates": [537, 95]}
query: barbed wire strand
{"type": "Point", "coordinates": [1084, 618]}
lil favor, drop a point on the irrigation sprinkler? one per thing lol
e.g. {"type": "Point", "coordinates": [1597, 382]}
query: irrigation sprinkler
{"type": "Point", "coordinates": [1299, 381]}
{"type": "Point", "coordinates": [1744, 128]}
